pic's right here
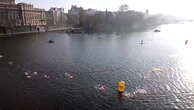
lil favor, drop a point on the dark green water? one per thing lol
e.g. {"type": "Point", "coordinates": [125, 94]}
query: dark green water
{"type": "Point", "coordinates": [81, 72]}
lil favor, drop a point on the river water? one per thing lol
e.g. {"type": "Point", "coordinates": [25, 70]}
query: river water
{"type": "Point", "coordinates": [81, 71]}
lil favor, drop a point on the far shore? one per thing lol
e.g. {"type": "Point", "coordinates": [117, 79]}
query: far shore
{"type": "Point", "coordinates": [71, 31]}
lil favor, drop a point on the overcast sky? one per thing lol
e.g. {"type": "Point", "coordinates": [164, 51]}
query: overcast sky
{"type": "Point", "coordinates": [182, 8]}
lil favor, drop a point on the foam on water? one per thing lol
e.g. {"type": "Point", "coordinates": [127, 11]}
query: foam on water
{"type": "Point", "coordinates": [128, 94]}
{"type": "Point", "coordinates": [154, 71]}
{"type": "Point", "coordinates": [168, 88]}
{"type": "Point", "coordinates": [140, 91]}
{"type": "Point", "coordinates": [158, 74]}
{"type": "Point", "coordinates": [135, 93]}
{"type": "Point", "coordinates": [174, 56]}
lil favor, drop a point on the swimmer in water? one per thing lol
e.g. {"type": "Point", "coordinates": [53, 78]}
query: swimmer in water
{"type": "Point", "coordinates": [68, 75]}
{"type": "Point", "coordinates": [1, 56]}
{"type": "Point", "coordinates": [100, 87]}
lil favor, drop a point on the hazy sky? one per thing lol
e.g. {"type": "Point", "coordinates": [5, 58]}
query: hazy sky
{"type": "Point", "coordinates": [182, 8]}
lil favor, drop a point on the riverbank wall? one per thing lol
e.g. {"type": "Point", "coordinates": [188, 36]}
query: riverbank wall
{"type": "Point", "coordinates": [21, 30]}
{"type": "Point", "coordinates": [30, 29]}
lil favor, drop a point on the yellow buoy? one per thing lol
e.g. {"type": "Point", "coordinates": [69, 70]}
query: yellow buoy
{"type": "Point", "coordinates": [121, 86]}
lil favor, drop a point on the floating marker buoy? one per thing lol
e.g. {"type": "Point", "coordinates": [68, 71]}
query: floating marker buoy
{"type": "Point", "coordinates": [121, 86]}
{"type": "Point", "coordinates": [186, 42]}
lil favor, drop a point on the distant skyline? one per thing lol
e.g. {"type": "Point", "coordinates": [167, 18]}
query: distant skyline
{"type": "Point", "coordinates": [183, 8]}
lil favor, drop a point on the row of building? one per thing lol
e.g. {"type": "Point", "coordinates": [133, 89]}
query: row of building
{"type": "Point", "coordinates": [91, 20]}
{"type": "Point", "coordinates": [28, 18]}
{"type": "Point", "coordinates": [24, 17]}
